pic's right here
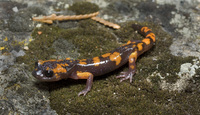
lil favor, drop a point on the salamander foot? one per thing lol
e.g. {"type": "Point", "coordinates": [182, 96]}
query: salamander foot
{"type": "Point", "coordinates": [126, 75]}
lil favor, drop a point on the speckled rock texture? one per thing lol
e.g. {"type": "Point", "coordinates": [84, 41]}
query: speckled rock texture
{"type": "Point", "coordinates": [167, 79]}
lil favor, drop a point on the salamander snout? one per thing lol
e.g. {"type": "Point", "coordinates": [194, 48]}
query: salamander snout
{"type": "Point", "coordinates": [43, 73]}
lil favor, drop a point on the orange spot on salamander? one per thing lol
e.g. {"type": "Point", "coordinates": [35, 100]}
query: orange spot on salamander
{"type": "Point", "coordinates": [67, 58]}
{"type": "Point", "coordinates": [133, 42]}
{"type": "Point", "coordinates": [59, 69]}
{"type": "Point", "coordinates": [57, 76]}
{"type": "Point", "coordinates": [128, 42]}
{"type": "Point", "coordinates": [105, 55]}
{"type": "Point", "coordinates": [140, 47]}
{"type": "Point", "coordinates": [96, 61]}
{"type": "Point", "coordinates": [145, 29]}
{"type": "Point", "coordinates": [64, 65]}
{"type": "Point", "coordinates": [133, 57]}
{"type": "Point", "coordinates": [146, 41]}
{"type": "Point", "coordinates": [83, 59]}
{"type": "Point", "coordinates": [152, 36]}
{"type": "Point", "coordinates": [132, 66]}
{"type": "Point", "coordinates": [133, 46]}
{"type": "Point", "coordinates": [82, 62]}
{"type": "Point", "coordinates": [83, 75]}
{"type": "Point", "coordinates": [47, 68]}
{"type": "Point", "coordinates": [42, 62]}
{"type": "Point", "coordinates": [116, 57]}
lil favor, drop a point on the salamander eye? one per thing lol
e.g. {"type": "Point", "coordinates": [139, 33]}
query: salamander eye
{"type": "Point", "coordinates": [48, 73]}
{"type": "Point", "coordinates": [36, 64]}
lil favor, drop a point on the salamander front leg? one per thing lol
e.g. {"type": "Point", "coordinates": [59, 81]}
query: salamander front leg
{"type": "Point", "coordinates": [89, 77]}
{"type": "Point", "coordinates": [132, 68]}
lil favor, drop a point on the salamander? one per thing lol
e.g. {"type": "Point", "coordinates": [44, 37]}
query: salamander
{"type": "Point", "coordinates": [54, 70]}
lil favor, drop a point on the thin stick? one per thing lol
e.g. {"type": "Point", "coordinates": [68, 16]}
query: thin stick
{"type": "Point", "coordinates": [49, 19]}
{"type": "Point", "coordinates": [110, 24]}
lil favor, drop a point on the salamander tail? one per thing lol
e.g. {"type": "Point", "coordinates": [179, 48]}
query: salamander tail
{"type": "Point", "coordinates": [144, 31]}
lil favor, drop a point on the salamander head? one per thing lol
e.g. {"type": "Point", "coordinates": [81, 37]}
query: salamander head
{"type": "Point", "coordinates": [52, 70]}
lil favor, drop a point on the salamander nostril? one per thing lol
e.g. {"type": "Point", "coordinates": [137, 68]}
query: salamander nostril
{"type": "Point", "coordinates": [48, 73]}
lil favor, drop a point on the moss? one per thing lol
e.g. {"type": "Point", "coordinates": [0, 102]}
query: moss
{"type": "Point", "coordinates": [107, 98]}
{"type": "Point", "coordinates": [111, 97]}
{"type": "Point", "coordinates": [197, 71]}
{"type": "Point", "coordinates": [92, 41]}
{"type": "Point", "coordinates": [84, 8]}
{"type": "Point", "coordinates": [40, 48]}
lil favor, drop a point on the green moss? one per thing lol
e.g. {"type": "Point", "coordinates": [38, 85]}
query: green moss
{"type": "Point", "coordinates": [40, 48]}
{"type": "Point", "coordinates": [92, 41]}
{"type": "Point", "coordinates": [84, 8]}
{"type": "Point", "coordinates": [197, 71]}
{"type": "Point", "coordinates": [107, 96]}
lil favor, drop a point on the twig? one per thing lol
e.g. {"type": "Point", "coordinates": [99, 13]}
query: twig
{"type": "Point", "coordinates": [49, 19]}
{"type": "Point", "coordinates": [110, 24]}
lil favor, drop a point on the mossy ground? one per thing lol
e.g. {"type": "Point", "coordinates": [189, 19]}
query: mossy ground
{"type": "Point", "coordinates": [108, 95]}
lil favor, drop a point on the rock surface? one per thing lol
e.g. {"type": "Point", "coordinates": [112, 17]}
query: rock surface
{"type": "Point", "coordinates": [20, 93]}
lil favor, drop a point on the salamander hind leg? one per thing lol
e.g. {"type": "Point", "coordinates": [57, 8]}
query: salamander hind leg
{"type": "Point", "coordinates": [132, 68]}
